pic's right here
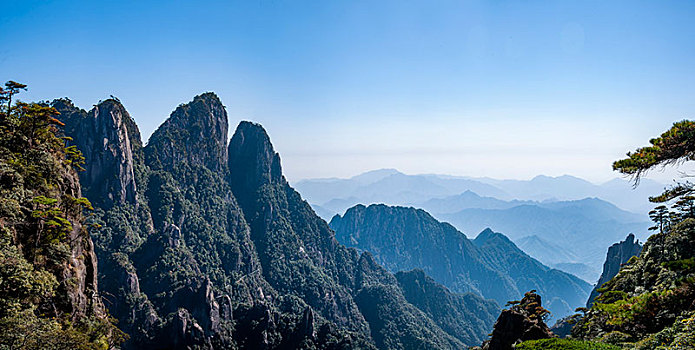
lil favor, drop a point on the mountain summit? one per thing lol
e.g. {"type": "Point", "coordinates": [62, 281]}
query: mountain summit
{"type": "Point", "coordinates": [195, 133]}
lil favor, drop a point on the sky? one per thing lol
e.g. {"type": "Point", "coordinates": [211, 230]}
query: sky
{"type": "Point", "coordinates": [505, 89]}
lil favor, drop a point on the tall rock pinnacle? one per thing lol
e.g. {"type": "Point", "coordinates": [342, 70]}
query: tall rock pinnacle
{"type": "Point", "coordinates": [102, 134]}
{"type": "Point", "coordinates": [252, 160]}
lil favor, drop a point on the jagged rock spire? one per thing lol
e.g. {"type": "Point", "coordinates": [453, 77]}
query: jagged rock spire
{"type": "Point", "coordinates": [103, 136]}
{"type": "Point", "coordinates": [618, 254]}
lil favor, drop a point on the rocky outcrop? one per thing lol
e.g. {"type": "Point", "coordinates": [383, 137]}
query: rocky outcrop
{"type": "Point", "coordinates": [103, 137]}
{"type": "Point", "coordinates": [307, 327]}
{"type": "Point", "coordinates": [618, 254]}
{"type": "Point", "coordinates": [519, 323]}
{"type": "Point", "coordinates": [651, 298]}
{"type": "Point", "coordinates": [195, 133]}
{"type": "Point", "coordinates": [283, 227]}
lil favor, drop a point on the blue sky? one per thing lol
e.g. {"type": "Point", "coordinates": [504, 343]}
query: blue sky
{"type": "Point", "coordinates": [505, 89]}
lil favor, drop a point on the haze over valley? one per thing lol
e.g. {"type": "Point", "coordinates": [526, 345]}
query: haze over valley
{"type": "Point", "coordinates": [565, 222]}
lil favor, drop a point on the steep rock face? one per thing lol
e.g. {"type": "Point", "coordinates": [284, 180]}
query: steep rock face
{"type": "Point", "coordinates": [81, 268]}
{"type": "Point", "coordinates": [618, 254]}
{"type": "Point", "coordinates": [283, 227]}
{"type": "Point", "coordinates": [491, 265]}
{"type": "Point", "coordinates": [140, 240]}
{"type": "Point", "coordinates": [195, 133]}
{"type": "Point", "coordinates": [346, 288]}
{"type": "Point", "coordinates": [253, 162]}
{"type": "Point", "coordinates": [106, 145]}
{"type": "Point", "coordinates": [341, 285]}
{"type": "Point", "coordinates": [519, 323]}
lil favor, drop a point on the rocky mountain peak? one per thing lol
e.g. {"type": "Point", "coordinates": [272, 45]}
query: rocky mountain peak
{"type": "Point", "coordinates": [195, 133]}
{"type": "Point", "coordinates": [102, 134]}
{"type": "Point", "coordinates": [485, 235]}
{"type": "Point", "coordinates": [252, 160]}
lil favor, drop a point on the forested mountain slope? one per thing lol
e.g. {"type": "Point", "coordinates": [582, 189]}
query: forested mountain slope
{"type": "Point", "coordinates": [491, 265]}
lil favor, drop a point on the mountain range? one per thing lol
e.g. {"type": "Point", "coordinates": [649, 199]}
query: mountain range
{"type": "Point", "coordinates": [389, 186]}
{"type": "Point", "coordinates": [202, 243]}
{"type": "Point", "coordinates": [195, 241]}
{"type": "Point", "coordinates": [403, 238]}
{"type": "Point", "coordinates": [571, 235]}
{"type": "Point", "coordinates": [557, 232]}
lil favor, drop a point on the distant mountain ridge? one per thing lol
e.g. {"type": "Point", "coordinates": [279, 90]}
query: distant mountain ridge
{"type": "Point", "coordinates": [405, 238]}
{"type": "Point", "coordinates": [572, 235]}
{"type": "Point", "coordinates": [396, 188]}
{"type": "Point", "coordinates": [579, 217]}
{"type": "Point", "coordinates": [582, 228]}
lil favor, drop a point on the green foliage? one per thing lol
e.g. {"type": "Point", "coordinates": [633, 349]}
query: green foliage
{"type": "Point", "coordinates": [645, 308]}
{"type": "Point", "coordinates": [611, 296]}
{"type": "Point", "coordinates": [644, 301]}
{"type": "Point", "coordinates": [685, 208]}
{"type": "Point", "coordinates": [531, 304]}
{"type": "Point", "coordinates": [661, 217]}
{"type": "Point", "coordinates": [564, 344]}
{"type": "Point", "coordinates": [616, 338]}
{"type": "Point", "coordinates": [680, 336]}
{"type": "Point", "coordinates": [11, 89]}
{"type": "Point", "coordinates": [467, 317]}
{"type": "Point", "coordinates": [687, 265]}
{"type": "Point", "coordinates": [74, 157]}
{"type": "Point", "coordinates": [40, 227]}
{"type": "Point", "coordinates": [651, 291]}
{"type": "Point", "coordinates": [673, 146]}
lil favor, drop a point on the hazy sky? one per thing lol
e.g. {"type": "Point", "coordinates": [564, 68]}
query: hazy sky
{"type": "Point", "coordinates": [506, 89]}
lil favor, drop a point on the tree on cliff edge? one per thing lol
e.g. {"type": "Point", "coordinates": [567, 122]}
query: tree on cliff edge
{"type": "Point", "coordinates": [673, 147]}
